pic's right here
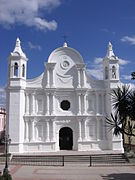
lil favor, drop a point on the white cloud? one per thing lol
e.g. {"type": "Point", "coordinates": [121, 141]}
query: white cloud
{"type": "Point", "coordinates": [97, 73]}
{"type": "Point", "coordinates": [126, 77]}
{"type": "Point", "coordinates": [128, 39]}
{"type": "Point", "coordinates": [98, 60]}
{"type": "Point", "coordinates": [34, 46]}
{"type": "Point", "coordinates": [123, 61]}
{"type": "Point", "coordinates": [2, 97]}
{"type": "Point", "coordinates": [27, 12]}
{"type": "Point", "coordinates": [131, 85]}
{"type": "Point", "coordinates": [96, 69]}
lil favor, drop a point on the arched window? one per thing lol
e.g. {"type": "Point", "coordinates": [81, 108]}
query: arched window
{"type": "Point", "coordinates": [15, 69]}
{"type": "Point", "coordinates": [113, 72]}
{"type": "Point", "coordinates": [106, 72]}
{"type": "Point", "coordinates": [23, 70]}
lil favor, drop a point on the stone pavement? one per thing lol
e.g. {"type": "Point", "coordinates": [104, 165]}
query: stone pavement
{"type": "Point", "coordinates": [71, 172]}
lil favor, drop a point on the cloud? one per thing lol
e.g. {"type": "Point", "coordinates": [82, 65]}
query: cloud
{"type": "Point", "coordinates": [33, 46]}
{"type": "Point", "coordinates": [28, 12]}
{"type": "Point", "coordinates": [126, 77]}
{"type": "Point", "coordinates": [98, 60]}
{"type": "Point", "coordinates": [105, 30]}
{"type": "Point", "coordinates": [96, 69]}
{"type": "Point", "coordinates": [97, 73]}
{"type": "Point", "coordinates": [128, 39]}
{"type": "Point", "coordinates": [123, 61]}
{"type": "Point", "coordinates": [2, 97]}
{"type": "Point", "coordinates": [131, 85]}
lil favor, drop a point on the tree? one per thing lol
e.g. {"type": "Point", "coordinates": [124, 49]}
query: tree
{"type": "Point", "coordinates": [122, 121]}
{"type": "Point", "coordinates": [133, 75]}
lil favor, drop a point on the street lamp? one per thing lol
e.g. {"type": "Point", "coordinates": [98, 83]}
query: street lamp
{"type": "Point", "coordinates": [7, 141]}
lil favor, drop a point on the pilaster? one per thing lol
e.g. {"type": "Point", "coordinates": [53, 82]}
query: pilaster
{"type": "Point", "coordinates": [27, 103]}
{"type": "Point", "coordinates": [80, 130]}
{"type": "Point", "coordinates": [32, 130]}
{"type": "Point", "coordinates": [47, 103]}
{"type": "Point", "coordinates": [85, 133]}
{"type": "Point", "coordinates": [47, 130]}
{"type": "Point", "coordinates": [26, 131]}
{"type": "Point", "coordinates": [33, 103]}
{"type": "Point", "coordinates": [79, 103]}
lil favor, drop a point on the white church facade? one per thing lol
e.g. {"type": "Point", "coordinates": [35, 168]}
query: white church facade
{"type": "Point", "coordinates": [63, 108]}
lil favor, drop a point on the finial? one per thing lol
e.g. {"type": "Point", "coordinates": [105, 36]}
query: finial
{"type": "Point", "coordinates": [65, 41]}
{"type": "Point", "coordinates": [110, 52]}
{"type": "Point", "coordinates": [65, 44]}
{"type": "Point", "coordinates": [18, 42]}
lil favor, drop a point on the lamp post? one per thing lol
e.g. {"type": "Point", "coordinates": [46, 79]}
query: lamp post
{"type": "Point", "coordinates": [7, 142]}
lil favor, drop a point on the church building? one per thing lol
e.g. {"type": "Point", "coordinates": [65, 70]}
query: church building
{"type": "Point", "coordinates": [62, 109]}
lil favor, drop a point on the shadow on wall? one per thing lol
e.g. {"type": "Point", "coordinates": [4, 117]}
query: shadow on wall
{"type": "Point", "coordinates": [122, 176]}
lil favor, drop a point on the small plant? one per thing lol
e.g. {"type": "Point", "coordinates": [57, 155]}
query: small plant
{"type": "Point", "coordinates": [6, 176]}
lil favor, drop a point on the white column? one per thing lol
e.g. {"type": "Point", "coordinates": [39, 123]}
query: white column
{"type": "Point", "coordinates": [79, 78]}
{"type": "Point", "coordinates": [53, 130]}
{"type": "Point", "coordinates": [27, 103]}
{"type": "Point", "coordinates": [26, 131]}
{"type": "Point", "coordinates": [47, 131]}
{"type": "Point", "coordinates": [84, 77]}
{"type": "Point", "coordinates": [53, 103]}
{"type": "Point", "coordinates": [52, 77]}
{"type": "Point", "coordinates": [33, 103]}
{"type": "Point", "coordinates": [97, 109]}
{"type": "Point", "coordinates": [47, 103]}
{"type": "Point", "coordinates": [98, 134]}
{"type": "Point", "coordinates": [48, 78]}
{"type": "Point", "coordinates": [79, 104]}
{"type": "Point", "coordinates": [80, 130]}
{"type": "Point", "coordinates": [36, 133]}
{"type": "Point", "coordinates": [103, 111]}
{"type": "Point", "coordinates": [32, 131]}
{"type": "Point", "coordinates": [85, 133]}
{"type": "Point", "coordinates": [84, 103]}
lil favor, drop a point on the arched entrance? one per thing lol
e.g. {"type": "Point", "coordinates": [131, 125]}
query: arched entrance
{"type": "Point", "coordinates": [66, 138]}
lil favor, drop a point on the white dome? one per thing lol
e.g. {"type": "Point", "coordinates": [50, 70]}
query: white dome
{"type": "Point", "coordinates": [55, 56]}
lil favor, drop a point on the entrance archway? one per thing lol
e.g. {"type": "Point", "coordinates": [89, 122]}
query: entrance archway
{"type": "Point", "coordinates": [66, 138]}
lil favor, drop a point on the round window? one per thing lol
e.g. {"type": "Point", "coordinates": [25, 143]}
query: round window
{"type": "Point", "coordinates": [65, 105]}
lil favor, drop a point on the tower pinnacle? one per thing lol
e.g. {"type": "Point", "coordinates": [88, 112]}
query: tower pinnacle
{"type": "Point", "coordinates": [18, 42]}
{"type": "Point", "coordinates": [110, 52]}
{"type": "Point", "coordinates": [18, 49]}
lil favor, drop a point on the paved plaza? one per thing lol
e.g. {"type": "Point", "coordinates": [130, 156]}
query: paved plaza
{"type": "Point", "coordinates": [71, 172]}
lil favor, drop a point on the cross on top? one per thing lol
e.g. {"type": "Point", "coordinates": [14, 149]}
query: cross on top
{"type": "Point", "coordinates": [65, 37]}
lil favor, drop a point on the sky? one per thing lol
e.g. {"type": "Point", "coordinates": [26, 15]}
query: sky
{"type": "Point", "coordinates": [88, 24]}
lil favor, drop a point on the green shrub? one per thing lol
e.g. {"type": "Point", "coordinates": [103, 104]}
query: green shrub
{"type": "Point", "coordinates": [6, 176]}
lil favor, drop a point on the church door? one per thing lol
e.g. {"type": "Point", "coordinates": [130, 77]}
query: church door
{"type": "Point", "coordinates": [65, 138]}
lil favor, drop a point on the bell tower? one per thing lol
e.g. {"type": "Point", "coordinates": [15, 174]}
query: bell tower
{"type": "Point", "coordinates": [111, 68]}
{"type": "Point", "coordinates": [17, 64]}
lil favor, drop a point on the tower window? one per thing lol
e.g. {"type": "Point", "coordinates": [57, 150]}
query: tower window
{"type": "Point", "coordinates": [106, 73]}
{"type": "Point", "coordinates": [65, 105]}
{"type": "Point", "coordinates": [113, 72]}
{"type": "Point", "coordinates": [15, 69]}
{"type": "Point", "coordinates": [23, 70]}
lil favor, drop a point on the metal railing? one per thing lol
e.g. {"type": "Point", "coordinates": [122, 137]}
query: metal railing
{"type": "Point", "coordinates": [62, 160]}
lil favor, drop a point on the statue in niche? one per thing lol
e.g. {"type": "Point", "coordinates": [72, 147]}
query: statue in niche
{"type": "Point", "coordinates": [106, 73]}
{"type": "Point", "coordinates": [113, 72]}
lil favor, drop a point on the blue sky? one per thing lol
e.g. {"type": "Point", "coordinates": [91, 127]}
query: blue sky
{"type": "Point", "coordinates": [89, 25]}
